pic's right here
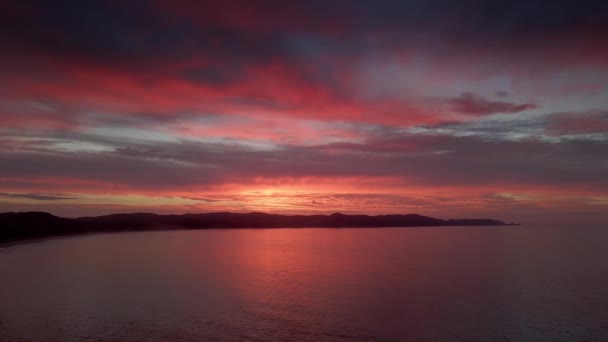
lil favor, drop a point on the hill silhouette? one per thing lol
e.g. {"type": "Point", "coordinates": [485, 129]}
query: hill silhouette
{"type": "Point", "coordinates": [35, 225]}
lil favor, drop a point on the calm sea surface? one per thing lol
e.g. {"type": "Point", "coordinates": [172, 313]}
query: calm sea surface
{"type": "Point", "coordinates": [523, 283]}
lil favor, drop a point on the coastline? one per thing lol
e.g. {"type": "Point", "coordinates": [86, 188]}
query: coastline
{"type": "Point", "coordinates": [33, 227]}
{"type": "Point", "coordinates": [15, 243]}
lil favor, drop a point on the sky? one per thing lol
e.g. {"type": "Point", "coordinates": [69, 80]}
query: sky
{"type": "Point", "coordinates": [444, 108]}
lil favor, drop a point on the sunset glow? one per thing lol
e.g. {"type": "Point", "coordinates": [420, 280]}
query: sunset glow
{"type": "Point", "coordinates": [307, 107]}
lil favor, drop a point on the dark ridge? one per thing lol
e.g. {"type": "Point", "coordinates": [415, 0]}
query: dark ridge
{"type": "Point", "coordinates": [36, 225]}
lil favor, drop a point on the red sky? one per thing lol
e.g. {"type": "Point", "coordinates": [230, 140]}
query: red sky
{"type": "Point", "coordinates": [442, 108]}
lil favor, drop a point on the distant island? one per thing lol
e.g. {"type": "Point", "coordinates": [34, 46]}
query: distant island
{"type": "Point", "coordinates": [21, 226]}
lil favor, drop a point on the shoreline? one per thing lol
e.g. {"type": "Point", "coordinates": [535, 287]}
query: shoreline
{"type": "Point", "coordinates": [18, 242]}
{"type": "Point", "coordinates": [32, 227]}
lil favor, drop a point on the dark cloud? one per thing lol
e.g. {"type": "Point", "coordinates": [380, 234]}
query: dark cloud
{"type": "Point", "coordinates": [37, 197]}
{"type": "Point", "coordinates": [239, 33]}
{"type": "Point", "coordinates": [215, 76]}
{"type": "Point", "coordinates": [425, 159]}
{"type": "Point", "coordinates": [100, 31]}
{"type": "Point", "coordinates": [590, 122]}
{"type": "Point", "coordinates": [472, 104]}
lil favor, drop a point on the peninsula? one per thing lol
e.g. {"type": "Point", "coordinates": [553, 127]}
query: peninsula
{"type": "Point", "coordinates": [20, 226]}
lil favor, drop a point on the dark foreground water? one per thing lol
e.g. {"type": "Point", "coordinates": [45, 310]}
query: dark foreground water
{"type": "Point", "coordinates": [390, 284]}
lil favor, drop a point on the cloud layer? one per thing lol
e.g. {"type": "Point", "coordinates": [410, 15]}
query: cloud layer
{"type": "Point", "coordinates": [453, 109]}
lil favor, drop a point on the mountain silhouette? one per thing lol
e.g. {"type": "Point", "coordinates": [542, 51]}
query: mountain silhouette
{"type": "Point", "coordinates": [35, 225]}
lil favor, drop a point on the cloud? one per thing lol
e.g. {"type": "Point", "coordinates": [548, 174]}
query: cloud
{"type": "Point", "coordinates": [304, 60]}
{"type": "Point", "coordinates": [241, 32]}
{"type": "Point", "coordinates": [182, 97]}
{"type": "Point", "coordinates": [475, 105]}
{"type": "Point", "coordinates": [37, 197]}
{"type": "Point", "coordinates": [590, 122]}
{"type": "Point", "coordinates": [407, 158]}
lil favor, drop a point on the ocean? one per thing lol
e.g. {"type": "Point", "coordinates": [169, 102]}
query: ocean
{"type": "Point", "coordinates": [512, 283]}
